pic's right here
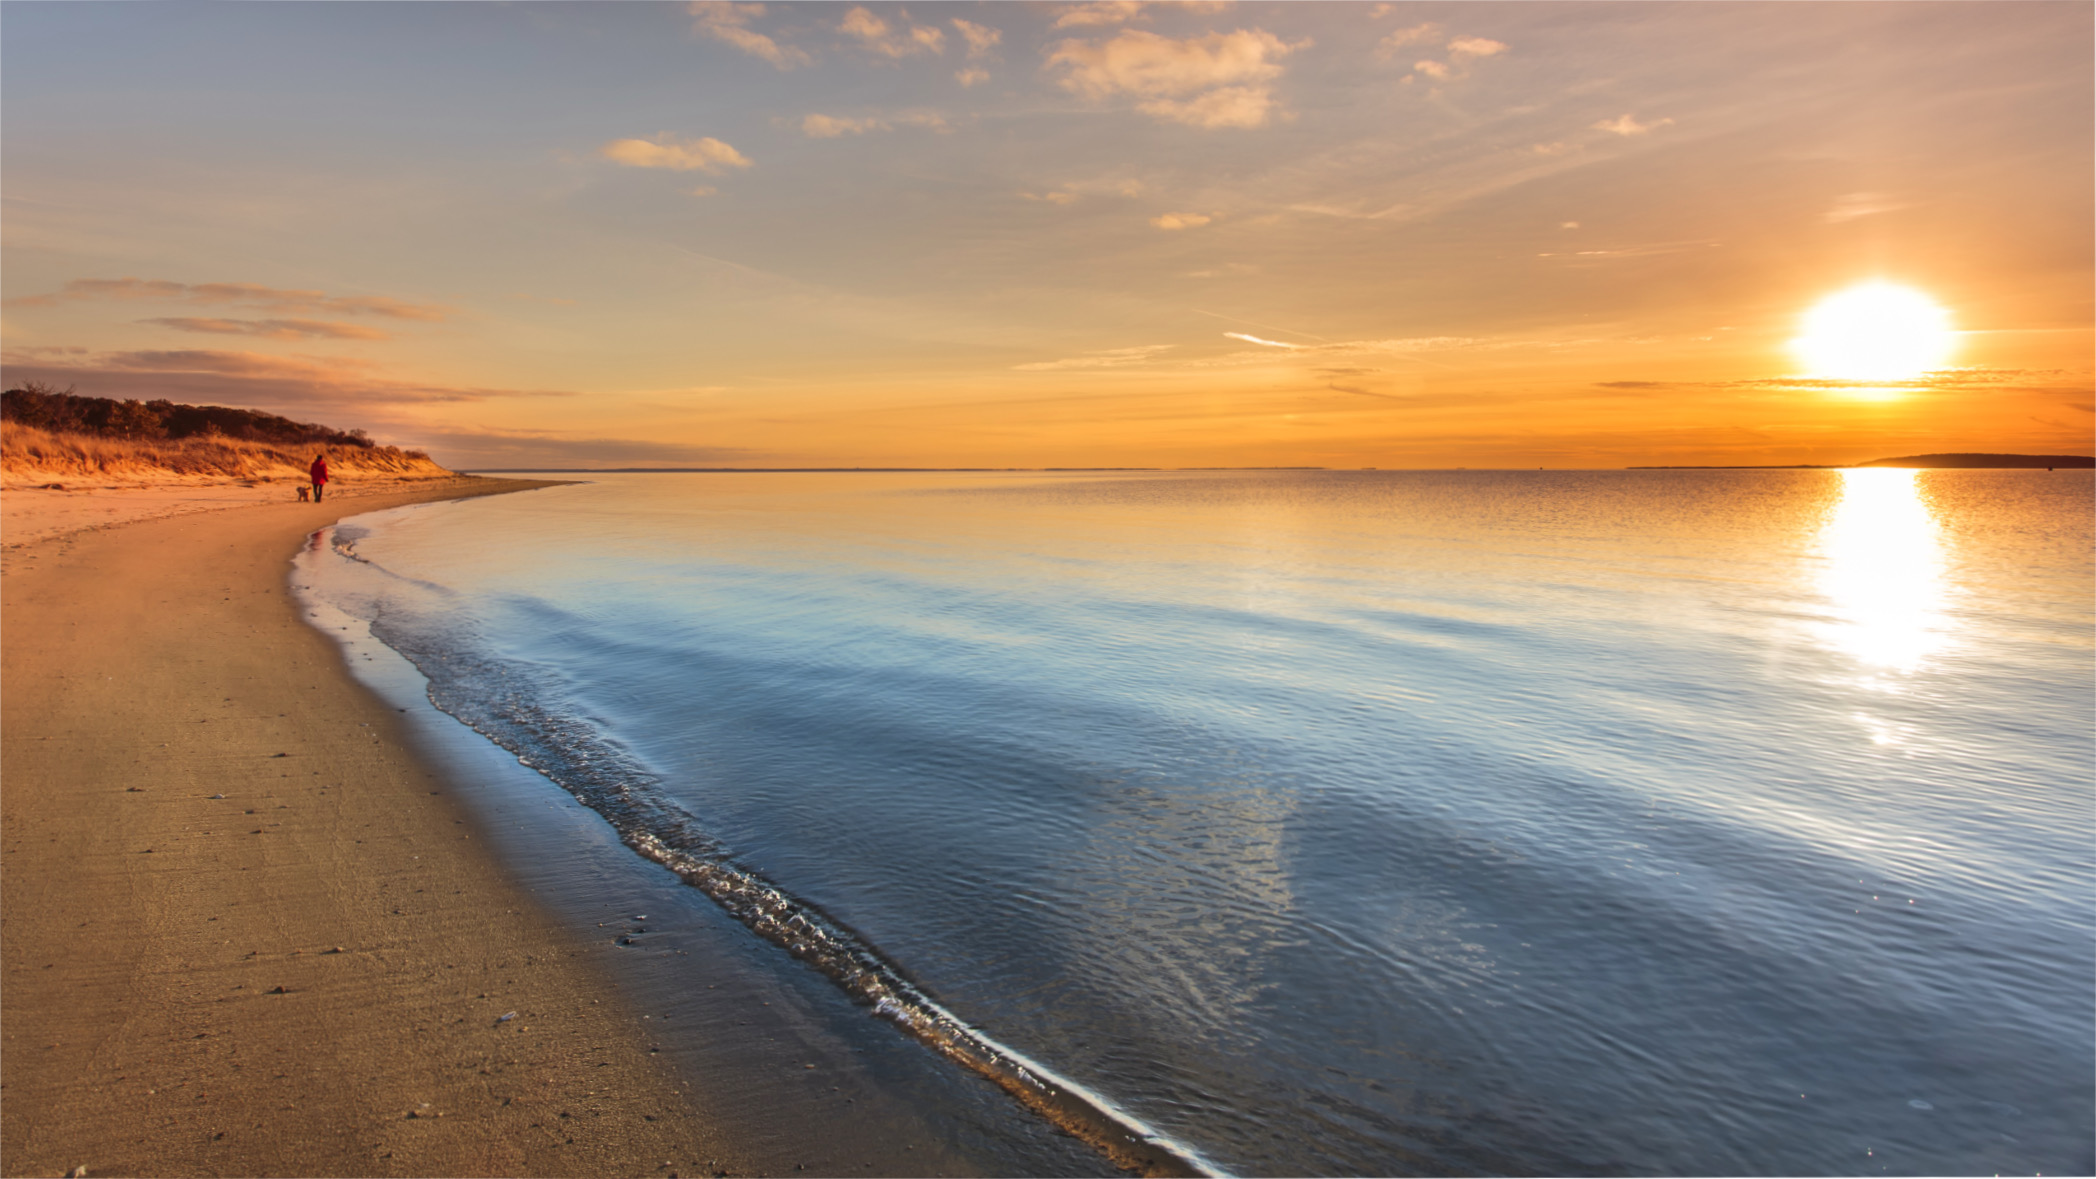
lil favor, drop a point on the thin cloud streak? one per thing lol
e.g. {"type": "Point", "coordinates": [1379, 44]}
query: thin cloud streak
{"type": "Point", "coordinates": [245, 378]}
{"type": "Point", "coordinates": [274, 329]}
{"type": "Point", "coordinates": [239, 293]}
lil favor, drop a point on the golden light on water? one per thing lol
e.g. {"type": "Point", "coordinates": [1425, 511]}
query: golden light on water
{"type": "Point", "coordinates": [1883, 574]}
{"type": "Point", "coordinates": [1878, 331]}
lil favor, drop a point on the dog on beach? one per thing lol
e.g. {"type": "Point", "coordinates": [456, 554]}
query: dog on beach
{"type": "Point", "coordinates": [305, 493]}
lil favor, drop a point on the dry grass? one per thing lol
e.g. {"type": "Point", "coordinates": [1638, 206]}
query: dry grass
{"type": "Point", "coordinates": [30, 457]}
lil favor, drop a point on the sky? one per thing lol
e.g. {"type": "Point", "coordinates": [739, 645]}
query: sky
{"type": "Point", "coordinates": [1026, 235]}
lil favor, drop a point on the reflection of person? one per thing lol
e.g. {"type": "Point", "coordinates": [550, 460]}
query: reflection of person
{"type": "Point", "coordinates": [319, 475]}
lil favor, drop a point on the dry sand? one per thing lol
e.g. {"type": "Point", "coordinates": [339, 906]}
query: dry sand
{"type": "Point", "coordinates": [31, 514]}
{"type": "Point", "coordinates": [244, 931]}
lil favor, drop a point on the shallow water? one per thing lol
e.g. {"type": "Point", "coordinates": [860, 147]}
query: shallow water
{"type": "Point", "coordinates": [1362, 822]}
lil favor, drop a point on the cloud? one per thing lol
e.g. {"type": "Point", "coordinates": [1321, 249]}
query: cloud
{"type": "Point", "coordinates": [2004, 379]}
{"type": "Point", "coordinates": [274, 329]}
{"type": "Point", "coordinates": [831, 127]}
{"type": "Point", "coordinates": [1231, 106]}
{"type": "Point", "coordinates": [1053, 198]}
{"type": "Point", "coordinates": [981, 38]}
{"type": "Point", "coordinates": [1110, 358]}
{"type": "Point", "coordinates": [703, 190]}
{"type": "Point", "coordinates": [826, 127]}
{"type": "Point", "coordinates": [250, 294]}
{"type": "Point", "coordinates": [878, 36]}
{"type": "Point", "coordinates": [729, 22]}
{"type": "Point", "coordinates": [1862, 204]}
{"type": "Point", "coordinates": [1647, 250]}
{"type": "Point", "coordinates": [1100, 12]}
{"type": "Point", "coordinates": [1628, 126]}
{"type": "Point", "coordinates": [1181, 220]}
{"type": "Point", "coordinates": [1462, 51]}
{"type": "Point", "coordinates": [1256, 340]}
{"type": "Point", "coordinates": [708, 155]}
{"type": "Point", "coordinates": [1416, 35]}
{"type": "Point", "coordinates": [1220, 80]}
{"type": "Point", "coordinates": [211, 377]}
{"type": "Point", "coordinates": [971, 75]}
{"type": "Point", "coordinates": [497, 450]}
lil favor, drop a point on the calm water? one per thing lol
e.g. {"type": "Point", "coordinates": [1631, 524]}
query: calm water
{"type": "Point", "coordinates": [1363, 822]}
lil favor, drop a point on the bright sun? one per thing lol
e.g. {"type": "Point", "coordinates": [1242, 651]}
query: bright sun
{"type": "Point", "coordinates": [1874, 332]}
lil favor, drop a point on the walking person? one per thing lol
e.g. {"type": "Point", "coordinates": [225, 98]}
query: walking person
{"type": "Point", "coordinates": [319, 474]}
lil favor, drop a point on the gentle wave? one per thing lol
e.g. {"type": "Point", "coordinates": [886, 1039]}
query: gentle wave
{"type": "Point", "coordinates": [497, 700]}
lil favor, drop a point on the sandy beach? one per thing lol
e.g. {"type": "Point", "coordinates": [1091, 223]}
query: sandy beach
{"type": "Point", "coordinates": [246, 932]}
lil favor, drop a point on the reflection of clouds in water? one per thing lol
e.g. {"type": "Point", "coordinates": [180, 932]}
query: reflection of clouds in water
{"type": "Point", "coordinates": [1883, 572]}
{"type": "Point", "coordinates": [1185, 887]}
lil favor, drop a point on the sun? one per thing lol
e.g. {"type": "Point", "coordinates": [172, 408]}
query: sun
{"type": "Point", "coordinates": [1876, 331]}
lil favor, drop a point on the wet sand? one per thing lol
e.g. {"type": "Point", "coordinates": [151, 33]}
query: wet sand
{"type": "Point", "coordinates": [245, 931]}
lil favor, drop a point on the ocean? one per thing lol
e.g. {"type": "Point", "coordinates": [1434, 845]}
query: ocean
{"type": "Point", "coordinates": [1344, 822]}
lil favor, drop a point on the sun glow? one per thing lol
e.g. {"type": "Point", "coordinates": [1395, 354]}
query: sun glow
{"type": "Point", "coordinates": [1877, 331]}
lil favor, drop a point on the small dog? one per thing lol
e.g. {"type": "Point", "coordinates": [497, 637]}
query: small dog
{"type": "Point", "coordinates": [305, 493]}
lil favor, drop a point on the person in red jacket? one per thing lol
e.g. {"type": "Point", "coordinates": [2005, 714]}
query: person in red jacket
{"type": "Point", "coordinates": [319, 475]}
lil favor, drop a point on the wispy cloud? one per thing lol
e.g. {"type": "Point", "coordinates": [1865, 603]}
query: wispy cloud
{"type": "Point", "coordinates": [819, 126]}
{"type": "Point", "coordinates": [1256, 340]}
{"type": "Point", "coordinates": [982, 39]}
{"type": "Point", "coordinates": [1862, 204]}
{"type": "Point", "coordinates": [2006, 379]}
{"type": "Point", "coordinates": [239, 293]}
{"type": "Point", "coordinates": [241, 378]}
{"type": "Point", "coordinates": [1643, 250]}
{"type": "Point", "coordinates": [830, 127]}
{"type": "Point", "coordinates": [729, 22]}
{"type": "Point", "coordinates": [1473, 47]}
{"type": "Point", "coordinates": [274, 329]}
{"type": "Point", "coordinates": [1109, 358]}
{"type": "Point", "coordinates": [1462, 52]}
{"type": "Point", "coordinates": [1627, 125]}
{"type": "Point", "coordinates": [1218, 80]}
{"type": "Point", "coordinates": [708, 155]}
{"type": "Point", "coordinates": [1181, 220]}
{"type": "Point", "coordinates": [1053, 198]}
{"type": "Point", "coordinates": [494, 450]}
{"type": "Point", "coordinates": [878, 36]}
{"type": "Point", "coordinates": [982, 45]}
{"type": "Point", "coordinates": [1424, 34]}
{"type": "Point", "coordinates": [1099, 12]}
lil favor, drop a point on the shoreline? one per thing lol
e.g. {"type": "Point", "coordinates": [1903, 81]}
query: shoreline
{"type": "Point", "coordinates": [247, 930]}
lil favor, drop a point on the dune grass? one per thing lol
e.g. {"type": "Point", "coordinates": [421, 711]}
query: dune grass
{"type": "Point", "coordinates": [32, 457]}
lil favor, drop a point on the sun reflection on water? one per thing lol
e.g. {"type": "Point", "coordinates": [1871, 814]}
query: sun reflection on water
{"type": "Point", "coordinates": [1883, 571]}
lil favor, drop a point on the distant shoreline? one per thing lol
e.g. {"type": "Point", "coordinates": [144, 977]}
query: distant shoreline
{"type": "Point", "coordinates": [1929, 461]}
{"type": "Point", "coordinates": [1936, 462]}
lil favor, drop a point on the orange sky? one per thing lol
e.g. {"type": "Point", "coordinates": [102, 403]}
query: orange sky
{"type": "Point", "coordinates": [1056, 235]}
